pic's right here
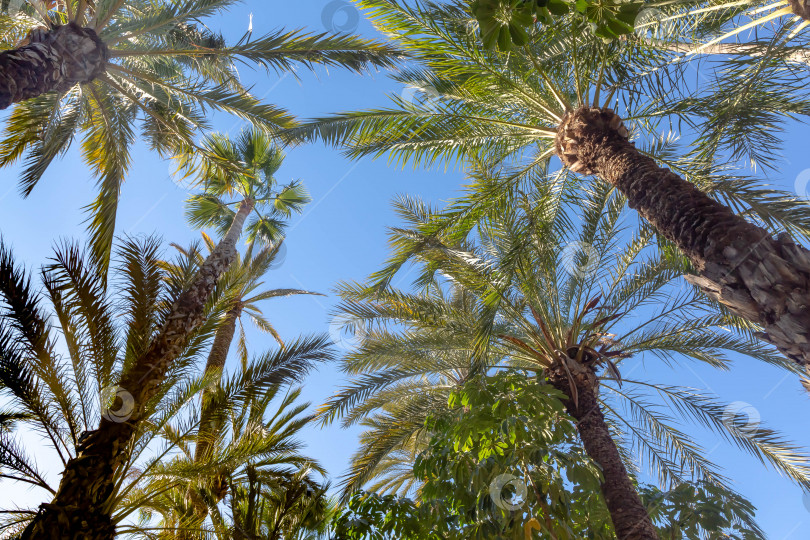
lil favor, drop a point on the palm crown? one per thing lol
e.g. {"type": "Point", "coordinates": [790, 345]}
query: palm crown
{"type": "Point", "coordinates": [470, 104]}
{"type": "Point", "coordinates": [161, 74]}
{"type": "Point", "coordinates": [256, 458]}
{"type": "Point", "coordinates": [533, 286]}
{"type": "Point", "coordinates": [65, 394]}
{"type": "Point", "coordinates": [256, 161]}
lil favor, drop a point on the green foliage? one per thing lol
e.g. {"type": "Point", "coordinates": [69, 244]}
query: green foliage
{"type": "Point", "coordinates": [508, 23]}
{"type": "Point", "coordinates": [511, 424]}
{"type": "Point", "coordinates": [507, 436]}
{"type": "Point", "coordinates": [232, 171]}
{"type": "Point", "coordinates": [381, 517]}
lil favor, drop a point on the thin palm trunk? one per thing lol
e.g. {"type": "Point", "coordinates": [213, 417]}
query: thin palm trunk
{"type": "Point", "coordinates": [81, 508]}
{"type": "Point", "coordinates": [51, 61]}
{"type": "Point", "coordinates": [762, 279]}
{"type": "Point", "coordinates": [627, 512]}
{"type": "Point", "coordinates": [213, 367]}
{"type": "Point", "coordinates": [208, 419]}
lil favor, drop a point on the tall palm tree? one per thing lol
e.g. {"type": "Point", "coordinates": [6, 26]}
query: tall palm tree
{"type": "Point", "coordinates": [239, 297]}
{"type": "Point", "coordinates": [255, 458]}
{"type": "Point", "coordinates": [90, 69]}
{"type": "Point", "coordinates": [569, 301]}
{"type": "Point", "coordinates": [65, 393]}
{"type": "Point", "coordinates": [255, 185]}
{"type": "Point", "coordinates": [80, 507]}
{"type": "Point", "coordinates": [552, 97]}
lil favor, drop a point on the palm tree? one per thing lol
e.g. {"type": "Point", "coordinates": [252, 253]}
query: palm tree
{"type": "Point", "coordinates": [239, 297]}
{"type": "Point", "coordinates": [551, 98]}
{"type": "Point", "coordinates": [239, 173]}
{"type": "Point", "coordinates": [279, 508]}
{"type": "Point", "coordinates": [92, 69]}
{"type": "Point", "coordinates": [107, 336]}
{"type": "Point", "coordinates": [254, 185]}
{"type": "Point", "coordinates": [255, 457]}
{"type": "Point", "coordinates": [569, 301]}
{"type": "Point", "coordinates": [80, 507]}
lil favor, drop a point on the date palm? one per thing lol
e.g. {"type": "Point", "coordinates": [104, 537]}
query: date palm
{"type": "Point", "coordinates": [255, 185]}
{"type": "Point", "coordinates": [553, 97]}
{"type": "Point", "coordinates": [255, 456]}
{"type": "Point", "coordinates": [531, 289]}
{"type": "Point", "coordinates": [74, 396]}
{"type": "Point", "coordinates": [102, 72]}
{"type": "Point", "coordinates": [80, 507]}
{"type": "Point", "coordinates": [239, 298]}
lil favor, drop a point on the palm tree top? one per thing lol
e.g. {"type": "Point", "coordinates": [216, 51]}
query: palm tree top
{"type": "Point", "coordinates": [160, 73]}
{"type": "Point", "coordinates": [239, 170]}
{"type": "Point", "coordinates": [518, 288]}
{"type": "Point", "coordinates": [471, 104]}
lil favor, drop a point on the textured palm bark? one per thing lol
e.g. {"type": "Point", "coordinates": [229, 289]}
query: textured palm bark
{"type": "Point", "coordinates": [51, 61]}
{"type": "Point", "coordinates": [213, 367]}
{"type": "Point", "coordinates": [208, 423]}
{"type": "Point", "coordinates": [627, 512]}
{"type": "Point", "coordinates": [760, 278]}
{"type": "Point", "coordinates": [800, 8]}
{"type": "Point", "coordinates": [81, 507]}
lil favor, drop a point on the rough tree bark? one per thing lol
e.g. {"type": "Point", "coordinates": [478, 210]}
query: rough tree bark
{"type": "Point", "coordinates": [81, 508]}
{"type": "Point", "coordinates": [627, 512]}
{"type": "Point", "coordinates": [51, 61]}
{"type": "Point", "coordinates": [763, 279]}
{"type": "Point", "coordinates": [213, 367]}
{"type": "Point", "coordinates": [800, 8]}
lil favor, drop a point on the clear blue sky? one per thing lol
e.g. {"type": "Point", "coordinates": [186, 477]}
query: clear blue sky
{"type": "Point", "coordinates": [342, 236]}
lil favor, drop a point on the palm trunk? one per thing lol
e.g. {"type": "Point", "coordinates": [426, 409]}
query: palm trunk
{"type": "Point", "coordinates": [213, 367]}
{"type": "Point", "coordinates": [627, 512]}
{"type": "Point", "coordinates": [763, 279]}
{"type": "Point", "coordinates": [208, 423]}
{"type": "Point", "coordinates": [800, 8]}
{"type": "Point", "coordinates": [81, 508]}
{"type": "Point", "coordinates": [51, 61]}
